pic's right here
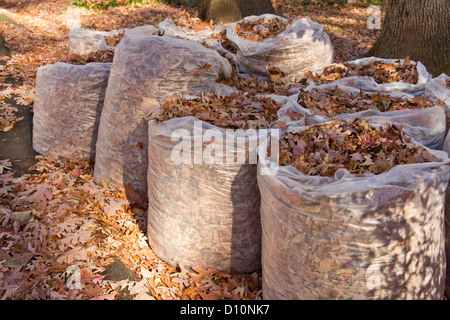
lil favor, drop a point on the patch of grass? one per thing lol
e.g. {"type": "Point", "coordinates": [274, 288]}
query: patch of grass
{"type": "Point", "coordinates": [324, 3]}
{"type": "Point", "coordinates": [105, 4]}
{"type": "Point", "coordinates": [193, 3]}
{"type": "Point", "coordinates": [381, 3]}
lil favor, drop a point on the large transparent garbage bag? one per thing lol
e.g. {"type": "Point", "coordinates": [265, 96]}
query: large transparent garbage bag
{"type": "Point", "coordinates": [67, 107]}
{"type": "Point", "coordinates": [200, 213]}
{"type": "Point", "coordinates": [203, 194]}
{"type": "Point", "coordinates": [117, 35]}
{"type": "Point", "coordinates": [84, 41]}
{"type": "Point", "coordinates": [145, 72]}
{"type": "Point", "coordinates": [206, 37]}
{"type": "Point", "coordinates": [302, 47]}
{"type": "Point", "coordinates": [439, 90]}
{"type": "Point", "coordinates": [347, 237]}
{"type": "Point", "coordinates": [447, 224]}
{"type": "Point", "coordinates": [170, 29]}
{"type": "Point", "coordinates": [426, 126]}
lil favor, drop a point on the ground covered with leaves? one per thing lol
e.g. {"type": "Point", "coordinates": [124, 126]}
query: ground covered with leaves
{"type": "Point", "coordinates": [57, 225]}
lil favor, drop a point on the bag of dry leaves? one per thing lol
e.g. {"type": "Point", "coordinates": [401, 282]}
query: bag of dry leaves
{"type": "Point", "coordinates": [68, 103]}
{"type": "Point", "coordinates": [171, 29]}
{"type": "Point", "coordinates": [203, 197]}
{"type": "Point", "coordinates": [84, 41]}
{"type": "Point", "coordinates": [374, 74]}
{"type": "Point", "coordinates": [109, 42]}
{"type": "Point", "coordinates": [421, 119]}
{"type": "Point", "coordinates": [213, 38]}
{"type": "Point", "coordinates": [447, 224]}
{"type": "Point", "coordinates": [271, 46]}
{"type": "Point", "coordinates": [354, 211]}
{"type": "Point", "coordinates": [439, 90]}
{"type": "Point", "coordinates": [146, 70]}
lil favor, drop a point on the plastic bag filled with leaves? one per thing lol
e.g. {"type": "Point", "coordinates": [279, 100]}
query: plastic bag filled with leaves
{"type": "Point", "coordinates": [84, 41]}
{"type": "Point", "coordinates": [439, 90]}
{"type": "Point", "coordinates": [109, 42]}
{"type": "Point", "coordinates": [171, 29]}
{"type": "Point", "coordinates": [203, 194]}
{"type": "Point", "coordinates": [201, 32]}
{"type": "Point", "coordinates": [374, 74]}
{"type": "Point", "coordinates": [67, 108]}
{"type": "Point", "coordinates": [271, 46]}
{"type": "Point", "coordinates": [421, 118]}
{"type": "Point", "coordinates": [447, 224]}
{"type": "Point", "coordinates": [146, 70]}
{"type": "Point", "coordinates": [353, 211]}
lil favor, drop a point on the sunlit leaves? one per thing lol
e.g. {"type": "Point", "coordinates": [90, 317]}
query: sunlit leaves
{"type": "Point", "coordinates": [353, 145]}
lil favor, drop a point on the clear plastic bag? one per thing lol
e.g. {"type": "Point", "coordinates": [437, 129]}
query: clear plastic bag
{"type": "Point", "coordinates": [437, 90]}
{"type": "Point", "coordinates": [426, 126]}
{"type": "Point", "coordinates": [204, 203]}
{"type": "Point", "coordinates": [170, 29]}
{"type": "Point", "coordinates": [347, 237]}
{"type": "Point", "coordinates": [145, 72]}
{"type": "Point", "coordinates": [447, 224]}
{"type": "Point", "coordinates": [204, 37]}
{"type": "Point", "coordinates": [67, 107]}
{"type": "Point", "coordinates": [148, 30]}
{"type": "Point", "coordinates": [84, 41]}
{"type": "Point", "coordinates": [303, 47]}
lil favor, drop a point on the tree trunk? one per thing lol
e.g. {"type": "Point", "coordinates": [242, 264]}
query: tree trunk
{"type": "Point", "coordinates": [224, 11]}
{"type": "Point", "coordinates": [4, 51]}
{"type": "Point", "coordinates": [419, 29]}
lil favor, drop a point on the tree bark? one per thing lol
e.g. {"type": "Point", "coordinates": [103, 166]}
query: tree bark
{"type": "Point", "coordinates": [419, 29]}
{"type": "Point", "coordinates": [4, 51]}
{"type": "Point", "coordinates": [224, 11]}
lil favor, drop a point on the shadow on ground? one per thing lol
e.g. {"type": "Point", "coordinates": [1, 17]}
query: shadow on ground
{"type": "Point", "coordinates": [16, 144]}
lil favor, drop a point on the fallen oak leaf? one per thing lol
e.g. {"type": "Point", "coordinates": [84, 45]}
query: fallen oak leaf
{"type": "Point", "coordinates": [75, 172]}
{"type": "Point", "coordinates": [106, 296]}
{"type": "Point", "coordinates": [4, 190]}
{"type": "Point", "coordinates": [357, 156]}
{"type": "Point", "coordinates": [5, 165]}
{"type": "Point", "coordinates": [202, 69]}
{"type": "Point", "coordinates": [298, 147]}
{"type": "Point", "coordinates": [13, 275]}
{"type": "Point", "coordinates": [43, 193]}
{"type": "Point", "coordinates": [294, 115]}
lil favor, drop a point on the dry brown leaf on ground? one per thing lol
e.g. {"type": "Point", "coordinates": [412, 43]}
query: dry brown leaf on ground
{"type": "Point", "coordinates": [59, 221]}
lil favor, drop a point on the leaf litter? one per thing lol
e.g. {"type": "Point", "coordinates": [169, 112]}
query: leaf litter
{"type": "Point", "coordinates": [262, 28]}
{"type": "Point", "coordinates": [333, 101]}
{"type": "Point", "coordinates": [236, 111]}
{"type": "Point", "coordinates": [352, 145]}
{"type": "Point", "coordinates": [59, 218]}
{"type": "Point", "coordinates": [382, 72]}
